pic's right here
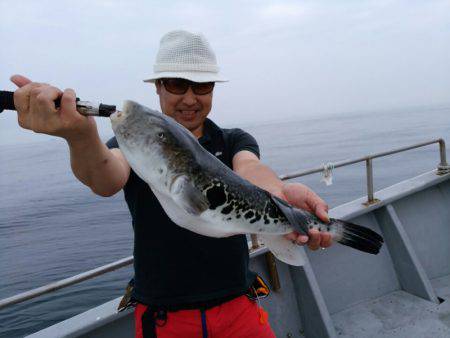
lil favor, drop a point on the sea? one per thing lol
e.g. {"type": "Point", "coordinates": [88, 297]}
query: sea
{"type": "Point", "coordinates": [53, 227]}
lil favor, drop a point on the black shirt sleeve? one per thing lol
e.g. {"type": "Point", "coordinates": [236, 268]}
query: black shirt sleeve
{"type": "Point", "coordinates": [112, 143]}
{"type": "Point", "coordinates": [241, 140]}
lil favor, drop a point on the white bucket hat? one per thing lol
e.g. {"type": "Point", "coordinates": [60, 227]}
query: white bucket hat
{"type": "Point", "coordinates": [185, 55]}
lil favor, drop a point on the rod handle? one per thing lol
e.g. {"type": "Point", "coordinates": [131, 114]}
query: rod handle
{"type": "Point", "coordinates": [7, 101]}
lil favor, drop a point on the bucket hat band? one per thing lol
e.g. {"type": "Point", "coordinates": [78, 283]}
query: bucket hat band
{"type": "Point", "coordinates": [176, 67]}
{"type": "Point", "coordinates": [185, 55]}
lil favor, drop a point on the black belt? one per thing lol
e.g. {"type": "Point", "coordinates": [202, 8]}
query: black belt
{"type": "Point", "coordinates": [152, 318]}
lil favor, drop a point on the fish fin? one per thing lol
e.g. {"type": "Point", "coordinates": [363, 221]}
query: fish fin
{"type": "Point", "coordinates": [284, 249]}
{"type": "Point", "coordinates": [297, 217]}
{"type": "Point", "coordinates": [357, 236]}
{"type": "Point", "coordinates": [188, 196]}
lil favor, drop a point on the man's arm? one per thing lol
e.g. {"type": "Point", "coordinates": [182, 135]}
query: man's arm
{"type": "Point", "coordinates": [104, 171]}
{"type": "Point", "coordinates": [247, 165]}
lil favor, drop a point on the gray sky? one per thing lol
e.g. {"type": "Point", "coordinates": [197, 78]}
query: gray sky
{"type": "Point", "coordinates": [284, 59]}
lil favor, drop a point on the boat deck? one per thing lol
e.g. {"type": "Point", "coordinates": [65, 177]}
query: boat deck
{"type": "Point", "coordinates": [395, 315]}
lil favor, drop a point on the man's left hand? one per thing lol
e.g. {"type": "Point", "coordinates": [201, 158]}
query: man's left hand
{"type": "Point", "coordinates": [304, 198]}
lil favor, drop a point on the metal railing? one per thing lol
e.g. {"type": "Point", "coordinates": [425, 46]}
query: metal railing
{"type": "Point", "coordinates": [256, 249]}
{"type": "Point", "coordinates": [442, 168]}
{"type": "Point", "coordinates": [21, 297]}
{"type": "Point", "coordinates": [101, 270]}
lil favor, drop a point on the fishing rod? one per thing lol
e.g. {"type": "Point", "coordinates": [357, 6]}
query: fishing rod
{"type": "Point", "coordinates": [86, 108]}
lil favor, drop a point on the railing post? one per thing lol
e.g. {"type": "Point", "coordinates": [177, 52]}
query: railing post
{"type": "Point", "coordinates": [369, 177]}
{"type": "Point", "coordinates": [443, 167]}
{"type": "Point", "coordinates": [255, 243]}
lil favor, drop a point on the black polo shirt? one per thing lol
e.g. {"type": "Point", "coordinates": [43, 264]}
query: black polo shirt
{"type": "Point", "coordinates": [174, 267]}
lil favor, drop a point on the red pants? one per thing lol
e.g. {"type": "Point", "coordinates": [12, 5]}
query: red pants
{"type": "Point", "coordinates": [237, 318]}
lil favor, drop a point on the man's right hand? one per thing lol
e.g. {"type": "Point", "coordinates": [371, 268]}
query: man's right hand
{"type": "Point", "coordinates": [36, 110]}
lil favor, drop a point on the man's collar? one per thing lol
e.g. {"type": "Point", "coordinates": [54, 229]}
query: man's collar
{"type": "Point", "coordinates": [210, 129]}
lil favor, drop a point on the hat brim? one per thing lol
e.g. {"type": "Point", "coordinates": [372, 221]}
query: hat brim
{"type": "Point", "coordinates": [195, 77]}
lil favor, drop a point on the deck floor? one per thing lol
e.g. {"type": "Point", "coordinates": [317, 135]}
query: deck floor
{"type": "Point", "coordinates": [398, 315]}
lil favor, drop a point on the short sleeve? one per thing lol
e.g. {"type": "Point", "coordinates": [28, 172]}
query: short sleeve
{"type": "Point", "coordinates": [112, 143]}
{"type": "Point", "coordinates": [241, 140]}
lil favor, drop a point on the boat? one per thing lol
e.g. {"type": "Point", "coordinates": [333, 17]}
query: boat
{"type": "Point", "coordinates": [404, 291]}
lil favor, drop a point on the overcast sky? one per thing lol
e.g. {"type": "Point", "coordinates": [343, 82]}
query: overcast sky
{"type": "Point", "coordinates": [284, 59]}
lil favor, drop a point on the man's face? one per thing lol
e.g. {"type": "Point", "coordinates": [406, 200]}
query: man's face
{"type": "Point", "coordinates": [188, 109]}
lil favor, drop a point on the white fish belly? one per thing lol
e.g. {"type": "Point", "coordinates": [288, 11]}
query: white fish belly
{"type": "Point", "coordinates": [201, 224]}
{"type": "Point", "coordinates": [213, 223]}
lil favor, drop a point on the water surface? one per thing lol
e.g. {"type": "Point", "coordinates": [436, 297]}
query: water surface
{"type": "Point", "coordinates": [52, 227]}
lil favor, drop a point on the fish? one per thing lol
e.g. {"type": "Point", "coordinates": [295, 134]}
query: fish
{"type": "Point", "coordinates": [200, 193]}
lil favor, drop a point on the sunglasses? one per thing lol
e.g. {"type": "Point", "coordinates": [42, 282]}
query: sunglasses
{"type": "Point", "coordinates": [180, 86]}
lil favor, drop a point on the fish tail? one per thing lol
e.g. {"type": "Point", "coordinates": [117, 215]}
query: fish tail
{"type": "Point", "coordinates": [356, 236]}
{"type": "Point", "coordinates": [349, 234]}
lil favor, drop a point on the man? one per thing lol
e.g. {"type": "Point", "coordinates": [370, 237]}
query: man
{"type": "Point", "coordinates": [186, 285]}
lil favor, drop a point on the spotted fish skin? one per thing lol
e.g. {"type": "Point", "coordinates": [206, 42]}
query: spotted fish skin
{"type": "Point", "coordinates": [171, 148]}
{"type": "Point", "coordinates": [200, 193]}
